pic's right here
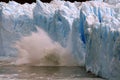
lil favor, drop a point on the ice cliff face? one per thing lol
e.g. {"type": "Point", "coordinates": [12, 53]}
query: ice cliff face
{"type": "Point", "coordinates": [92, 29]}
{"type": "Point", "coordinates": [101, 35]}
{"type": "Point", "coordinates": [57, 19]}
{"type": "Point", "coordinates": [15, 20]}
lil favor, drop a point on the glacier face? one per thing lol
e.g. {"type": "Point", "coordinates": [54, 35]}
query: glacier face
{"type": "Point", "coordinates": [15, 20]}
{"type": "Point", "coordinates": [57, 19]}
{"type": "Point", "coordinates": [90, 29]}
{"type": "Point", "coordinates": [101, 35]}
{"type": "Point", "coordinates": [20, 20]}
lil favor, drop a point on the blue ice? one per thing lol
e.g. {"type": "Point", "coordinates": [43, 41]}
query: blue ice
{"type": "Point", "coordinates": [92, 28]}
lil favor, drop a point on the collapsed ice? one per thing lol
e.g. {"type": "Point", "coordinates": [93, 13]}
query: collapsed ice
{"type": "Point", "coordinates": [39, 49]}
{"type": "Point", "coordinates": [57, 19]}
{"type": "Point", "coordinates": [91, 28]}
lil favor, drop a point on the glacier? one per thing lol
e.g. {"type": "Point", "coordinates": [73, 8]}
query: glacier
{"type": "Point", "coordinates": [100, 32]}
{"type": "Point", "coordinates": [91, 28]}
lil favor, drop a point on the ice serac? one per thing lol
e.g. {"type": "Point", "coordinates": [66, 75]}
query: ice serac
{"type": "Point", "coordinates": [108, 1]}
{"type": "Point", "coordinates": [100, 29]}
{"type": "Point", "coordinates": [1, 47]}
{"type": "Point", "coordinates": [16, 20]}
{"type": "Point", "coordinates": [57, 18]}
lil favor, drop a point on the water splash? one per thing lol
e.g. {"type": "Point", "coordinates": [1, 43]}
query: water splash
{"type": "Point", "coordinates": [39, 49]}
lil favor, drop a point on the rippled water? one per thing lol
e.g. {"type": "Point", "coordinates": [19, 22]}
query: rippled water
{"type": "Point", "coordinates": [24, 72]}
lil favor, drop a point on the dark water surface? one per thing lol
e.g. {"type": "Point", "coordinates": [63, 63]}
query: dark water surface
{"type": "Point", "coordinates": [13, 72]}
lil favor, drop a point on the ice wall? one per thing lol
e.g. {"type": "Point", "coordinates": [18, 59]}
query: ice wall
{"type": "Point", "coordinates": [16, 20]}
{"type": "Point", "coordinates": [57, 19]}
{"type": "Point", "coordinates": [1, 47]}
{"type": "Point", "coordinates": [90, 30]}
{"type": "Point", "coordinates": [100, 26]}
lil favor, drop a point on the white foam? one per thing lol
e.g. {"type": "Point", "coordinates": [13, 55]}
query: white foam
{"type": "Point", "coordinates": [39, 50]}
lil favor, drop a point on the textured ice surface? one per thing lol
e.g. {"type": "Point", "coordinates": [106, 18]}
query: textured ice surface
{"type": "Point", "coordinates": [91, 28]}
{"type": "Point", "coordinates": [57, 19]}
{"type": "Point", "coordinates": [16, 20]}
{"type": "Point", "coordinates": [108, 1]}
{"type": "Point", "coordinates": [101, 34]}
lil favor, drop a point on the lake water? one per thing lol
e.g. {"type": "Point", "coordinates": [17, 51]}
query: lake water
{"type": "Point", "coordinates": [24, 72]}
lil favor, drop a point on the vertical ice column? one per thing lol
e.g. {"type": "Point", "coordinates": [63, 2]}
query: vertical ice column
{"type": "Point", "coordinates": [1, 44]}
{"type": "Point", "coordinates": [102, 42]}
{"type": "Point", "coordinates": [98, 28]}
{"type": "Point", "coordinates": [78, 46]}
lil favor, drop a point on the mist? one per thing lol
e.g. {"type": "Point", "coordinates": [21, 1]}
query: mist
{"type": "Point", "coordinates": [38, 49]}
